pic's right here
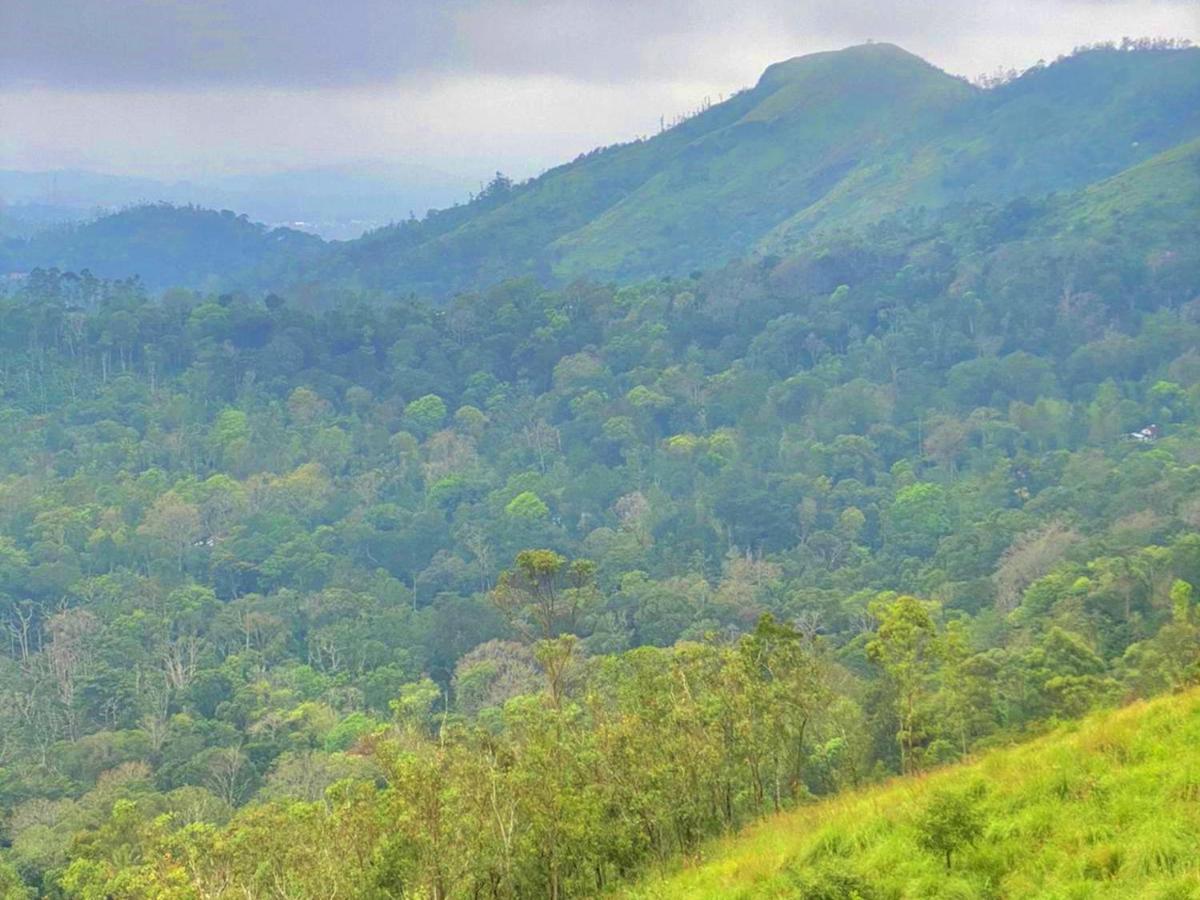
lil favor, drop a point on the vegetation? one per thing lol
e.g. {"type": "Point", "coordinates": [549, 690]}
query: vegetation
{"type": "Point", "coordinates": [328, 591]}
{"type": "Point", "coordinates": [168, 246]}
{"type": "Point", "coordinates": [820, 143]}
{"type": "Point", "coordinates": [1105, 808]}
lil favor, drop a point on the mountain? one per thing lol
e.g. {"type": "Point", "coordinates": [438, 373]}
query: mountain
{"type": "Point", "coordinates": [822, 141]}
{"type": "Point", "coordinates": [829, 141]}
{"type": "Point", "coordinates": [1106, 808]}
{"type": "Point", "coordinates": [1056, 128]}
{"type": "Point", "coordinates": [710, 186]}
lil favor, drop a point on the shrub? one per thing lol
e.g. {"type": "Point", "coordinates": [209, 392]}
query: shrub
{"type": "Point", "coordinates": [832, 880]}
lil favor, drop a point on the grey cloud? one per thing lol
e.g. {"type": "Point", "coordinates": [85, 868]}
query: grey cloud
{"type": "Point", "coordinates": [186, 44]}
{"type": "Point", "coordinates": [89, 44]}
{"type": "Point", "coordinates": [213, 86]}
{"type": "Point", "coordinates": [101, 44]}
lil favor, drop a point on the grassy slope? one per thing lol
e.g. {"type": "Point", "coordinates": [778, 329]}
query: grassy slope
{"type": "Point", "coordinates": [814, 122]}
{"type": "Point", "coordinates": [1109, 807]}
{"type": "Point", "coordinates": [1155, 201]}
{"type": "Point", "coordinates": [832, 139]}
{"type": "Point", "coordinates": [1055, 129]}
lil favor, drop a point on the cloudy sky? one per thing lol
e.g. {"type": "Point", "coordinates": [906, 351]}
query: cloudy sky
{"type": "Point", "coordinates": [187, 88]}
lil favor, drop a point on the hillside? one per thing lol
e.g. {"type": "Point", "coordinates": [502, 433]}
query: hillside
{"type": "Point", "coordinates": [168, 246]}
{"type": "Point", "coordinates": [1104, 808]}
{"type": "Point", "coordinates": [1153, 202]}
{"type": "Point", "coordinates": [540, 589]}
{"type": "Point", "coordinates": [282, 581]}
{"type": "Point", "coordinates": [822, 142]}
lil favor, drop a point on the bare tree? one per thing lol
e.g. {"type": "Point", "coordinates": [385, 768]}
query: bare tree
{"type": "Point", "coordinates": [69, 652]}
{"type": "Point", "coordinates": [1029, 557]}
{"type": "Point", "coordinates": [227, 775]}
{"type": "Point", "coordinates": [543, 439]}
{"type": "Point", "coordinates": [476, 541]}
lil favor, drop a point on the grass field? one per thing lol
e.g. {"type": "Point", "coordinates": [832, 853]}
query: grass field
{"type": "Point", "coordinates": [1107, 807]}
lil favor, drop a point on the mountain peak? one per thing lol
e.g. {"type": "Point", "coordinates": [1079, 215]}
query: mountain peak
{"type": "Point", "coordinates": [870, 60]}
{"type": "Point", "coordinates": [870, 84]}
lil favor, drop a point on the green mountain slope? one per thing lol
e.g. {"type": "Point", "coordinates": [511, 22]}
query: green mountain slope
{"type": "Point", "coordinates": [1154, 202]}
{"type": "Point", "coordinates": [827, 140]}
{"type": "Point", "coordinates": [1105, 808]}
{"type": "Point", "coordinates": [1057, 128]}
{"type": "Point", "coordinates": [816, 121]}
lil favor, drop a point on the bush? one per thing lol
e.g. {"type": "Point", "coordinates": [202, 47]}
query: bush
{"type": "Point", "coordinates": [832, 880]}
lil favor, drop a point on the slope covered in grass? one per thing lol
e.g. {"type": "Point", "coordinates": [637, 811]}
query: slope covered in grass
{"type": "Point", "coordinates": [1109, 807]}
{"type": "Point", "coordinates": [823, 141]}
{"type": "Point", "coordinates": [1154, 202]}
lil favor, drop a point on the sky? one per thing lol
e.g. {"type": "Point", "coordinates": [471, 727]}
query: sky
{"type": "Point", "coordinates": [200, 88]}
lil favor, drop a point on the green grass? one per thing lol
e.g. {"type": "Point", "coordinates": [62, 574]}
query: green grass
{"type": "Point", "coordinates": [1158, 197]}
{"type": "Point", "coordinates": [1109, 807]}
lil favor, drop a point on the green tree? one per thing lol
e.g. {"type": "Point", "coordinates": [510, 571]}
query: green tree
{"type": "Point", "coordinates": [426, 413]}
{"type": "Point", "coordinates": [11, 886]}
{"type": "Point", "coordinates": [543, 594]}
{"type": "Point", "coordinates": [950, 821]}
{"type": "Point", "coordinates": [904, 646]}
{"type": "Point", "coordinates": [918, 517]}
{"type": "Point", "coordinates": [527, 508]}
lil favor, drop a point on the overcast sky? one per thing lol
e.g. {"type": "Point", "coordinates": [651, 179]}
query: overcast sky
{"type": "Point", "coordinates": [186, 88]}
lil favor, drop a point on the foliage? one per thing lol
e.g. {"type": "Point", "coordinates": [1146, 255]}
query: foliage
{"type": "Point", "coordinates": [339, 592]}
{"type": "Point", "coordinates": [950, 822]}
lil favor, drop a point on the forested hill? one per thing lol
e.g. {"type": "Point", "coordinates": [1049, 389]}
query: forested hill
{"type": "Point", "coordinates": [532, 591]}
{"type": "Point", "coordinates": [169, 246]}
{"type": "Point", "coordinates": [821, 142]}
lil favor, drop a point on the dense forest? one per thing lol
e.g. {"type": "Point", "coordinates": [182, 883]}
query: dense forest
{"type": "Point", "coordinates": [341, 592]}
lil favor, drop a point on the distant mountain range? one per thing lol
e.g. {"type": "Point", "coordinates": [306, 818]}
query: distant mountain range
{"type": "Point", "coordinates": [827, 141]}
{"type": "Point", "coordinates": [335, 202]}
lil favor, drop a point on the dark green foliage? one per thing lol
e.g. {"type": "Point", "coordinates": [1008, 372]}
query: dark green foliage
{"type": "Point", "coordinates": [853, 508]}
